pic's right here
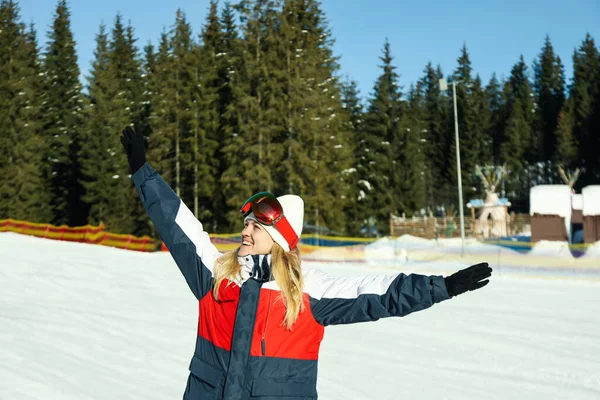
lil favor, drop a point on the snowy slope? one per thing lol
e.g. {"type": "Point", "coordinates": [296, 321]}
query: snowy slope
{"type": "Point", "coordinates": [88, 322]}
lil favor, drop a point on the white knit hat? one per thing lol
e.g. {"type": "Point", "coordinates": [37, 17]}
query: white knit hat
{"type": "Point", "coordinates": [293, 209]}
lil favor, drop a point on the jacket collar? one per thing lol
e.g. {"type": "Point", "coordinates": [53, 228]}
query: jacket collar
{"type": "Point", "coordinates": [257, 266]}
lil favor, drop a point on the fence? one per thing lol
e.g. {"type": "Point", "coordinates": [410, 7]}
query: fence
{"type": "Point", "coordinates": [425, 227]}
{"type": "Point", "coordinates": [82, 234]}
{"type": "Point", "coordinates": [97, 235]}
{"type": "Point", "coordinates": [430, 227]}
{"type": "Point", "coordinates": [308, 243]}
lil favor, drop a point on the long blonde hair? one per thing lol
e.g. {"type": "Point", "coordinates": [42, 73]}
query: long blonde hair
{"type": "Point", "coordinates": [285, 268]}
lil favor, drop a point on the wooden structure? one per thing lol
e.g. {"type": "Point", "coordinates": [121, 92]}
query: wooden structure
{"type": "Point", "coordinates": [493, 220]}
{"type": "Point", "coordinates": [591, 213]}
{"type": "Point", "coordinates": [550, 209]}
{"type": "Point", "coordinates": [427, 227]}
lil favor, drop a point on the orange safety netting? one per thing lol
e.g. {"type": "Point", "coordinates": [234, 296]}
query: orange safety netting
{"type": "Point", "coordinates": [83, 234]}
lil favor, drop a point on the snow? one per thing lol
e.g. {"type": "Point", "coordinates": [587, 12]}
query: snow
{"type": "Point", "coordinates": [550, 200]}
{"type": "Point", "coordinates": [593, 251]}
{"type": "Point", "coordinates": [545, 259]}
{"type": "Point", "coordinates": [551, 249]}
{"type": "Point", "coordinates": [81, 321]}
{"type": "Point", "coordinates": [577, 201]}
{"type": "Point", "coordinates": [591, 200]}
{"type": "Point", "coordinates": [366, 184]}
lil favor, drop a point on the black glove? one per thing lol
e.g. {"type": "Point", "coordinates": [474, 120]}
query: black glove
{"type": "Point", "coordinates": [135, 147]}
{"type": "Point", "coordinates": [468, 279]}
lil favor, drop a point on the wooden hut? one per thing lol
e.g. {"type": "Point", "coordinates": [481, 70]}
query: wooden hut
{"type": "Point", "coordinates": [591, 213]}
{"type": "Point", "coordinates": [550, 211]}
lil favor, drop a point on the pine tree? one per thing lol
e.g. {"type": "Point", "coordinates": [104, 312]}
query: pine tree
{"type": "Point", "coordinates": [382, 143]}
{"type": "Point", "coordinates": [184, 75]}
{"type": "Point", "coordinates": [412, 156]}
{"type": "Point", "coordinates": [62, 109]}
{"type": "Point", "coordinates": [248, 148]}
{"type": "Point", "coordinates": [483, 136]}
{"type": "Point", "coordinates": [148, 69]}
{"type": "Point", "coordinates": [472, 122]}
{"type": "Point", "coordinates": [517, 148]}
{"type": "Point", "coordinates": [549, 90]}
{"type": "Point", "coordinates": [355, 208]}
{"type": "Point", "coordinates": [32, 197]}
{"type": "Point", "coordinates": [161, 144]}
{"type": "Point", "coordinates": [173, 126]}
{"type": "Point", "coordinates": [351, 103]}
{"type": "Point", "coordinates": [512, 149]}
{"type": "Point", "coordinates": [436, 144]}
{"type": "Point", "coordinates": [22, 194]}
{"type": "Point", "coordinates": [584, 91]}
{"type": "Point", "coordinates": [133, 80]}
{"type": "Point", "coordinates": [566, 145]}
{"type": "Point", "coordinates": [229, 54]}
{"type": "Point", "coordinates": [204, 142]}
{"type": "Point", "coordinates": [228, 65]}
{"type": "Point", "coordinates": [134, 218]}
{"type": "Point", "coordinates": [518, 136]}
{"type": "Point", "coordinates": [495, 105]}
{"type": "Point", "coordinates": [116, 100]}
{"type": "Point", "coordinates": [316, 141]}
{"type": "Point", "coordinates": [97, 151]}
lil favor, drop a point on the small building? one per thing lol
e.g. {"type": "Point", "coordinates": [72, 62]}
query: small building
{"type": "Point", "coordinates": [591, 213]}
{"type": "Point", "coordinates": [490, 217]}
{"type": "Point", "coordinates": [550, 209]}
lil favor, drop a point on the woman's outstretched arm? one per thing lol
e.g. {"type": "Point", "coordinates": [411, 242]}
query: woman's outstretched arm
{"type": "Point", "coordinates": [177, 227]}
{"type": "Point", "coordinates": [347, 300]}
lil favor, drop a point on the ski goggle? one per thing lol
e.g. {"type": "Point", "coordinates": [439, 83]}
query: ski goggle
{"type": "Point", "coordinates": [268, 211]}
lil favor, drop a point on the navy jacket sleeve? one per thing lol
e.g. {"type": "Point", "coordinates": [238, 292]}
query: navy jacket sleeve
{"type": "Point", "coordinates": [347, 300]}
{"type": "Point", "coordinates": [179, 229]}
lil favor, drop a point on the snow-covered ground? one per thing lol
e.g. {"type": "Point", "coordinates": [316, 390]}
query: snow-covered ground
{"type": "Point", "coordinates": [543, 259]}
{"type": "Point", "coordinates": [84, 322]}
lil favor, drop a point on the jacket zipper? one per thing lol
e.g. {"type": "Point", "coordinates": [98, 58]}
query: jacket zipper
{"type": "Point", "coordinates": [263, 342]}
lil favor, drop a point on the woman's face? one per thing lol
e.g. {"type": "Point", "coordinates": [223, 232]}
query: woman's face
{"type": "Point", "coordinates": [255, 239]}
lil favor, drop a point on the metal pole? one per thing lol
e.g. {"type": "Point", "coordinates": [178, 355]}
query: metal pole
{"type": "Point", "coordinates": [458, 172]}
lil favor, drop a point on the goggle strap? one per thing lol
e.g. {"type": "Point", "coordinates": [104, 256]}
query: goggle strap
{"type": "Point", "coordinates": [246, 208]}
{"type": "Point", "coordinates": [286, 230]}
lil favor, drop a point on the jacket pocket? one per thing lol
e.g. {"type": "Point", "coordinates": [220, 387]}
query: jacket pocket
{"type": "Point", "coordinates": [206, 372]}
{"type": "Point", "coordinates": [282, 387]}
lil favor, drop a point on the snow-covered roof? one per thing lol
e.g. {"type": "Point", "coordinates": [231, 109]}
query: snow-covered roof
{"type": "Point", "coordinates": [591, 200]}
{"type": "Point", "coordinates": [475, 203]}
{"type": "Point", "coordinates": [478, 203]}
{"type": "Point", "coordinates": [550, 200]}
{"type": "Point", "coordinates": [577, 202]}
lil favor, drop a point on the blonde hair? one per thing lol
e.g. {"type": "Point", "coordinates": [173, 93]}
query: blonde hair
{"type": "Point", "coordinates": [285, 269]}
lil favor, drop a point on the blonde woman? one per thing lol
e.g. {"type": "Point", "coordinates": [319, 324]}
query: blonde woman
{"type": "Point", "coordinates": [262, 314]}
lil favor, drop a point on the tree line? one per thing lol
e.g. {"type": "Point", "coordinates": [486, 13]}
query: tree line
{"type": "Point", "coordinates": [255, 101]}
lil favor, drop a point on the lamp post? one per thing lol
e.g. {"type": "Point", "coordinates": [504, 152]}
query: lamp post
{"type": "Point", "coordinates": [444, 86]}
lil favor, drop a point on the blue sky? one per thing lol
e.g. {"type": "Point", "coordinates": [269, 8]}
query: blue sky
{"type": "Point", "coordinates": [496, 32]}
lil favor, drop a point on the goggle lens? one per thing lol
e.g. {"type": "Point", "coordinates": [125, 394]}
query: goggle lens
{"type": "Point", "coordinates": [267, 210]}
{"type": "Point", "coordinates": [265, 207]}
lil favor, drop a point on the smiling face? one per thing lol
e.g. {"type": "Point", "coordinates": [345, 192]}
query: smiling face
{"type": "Point", "coordinates": [255, 239]}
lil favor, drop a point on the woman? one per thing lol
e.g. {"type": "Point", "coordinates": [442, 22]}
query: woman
{"type": "Point", "coordinates": [261, 313]}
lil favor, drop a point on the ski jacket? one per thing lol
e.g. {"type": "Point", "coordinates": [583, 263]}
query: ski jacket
{"type": "Point", "coordinates": [242, 350]}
